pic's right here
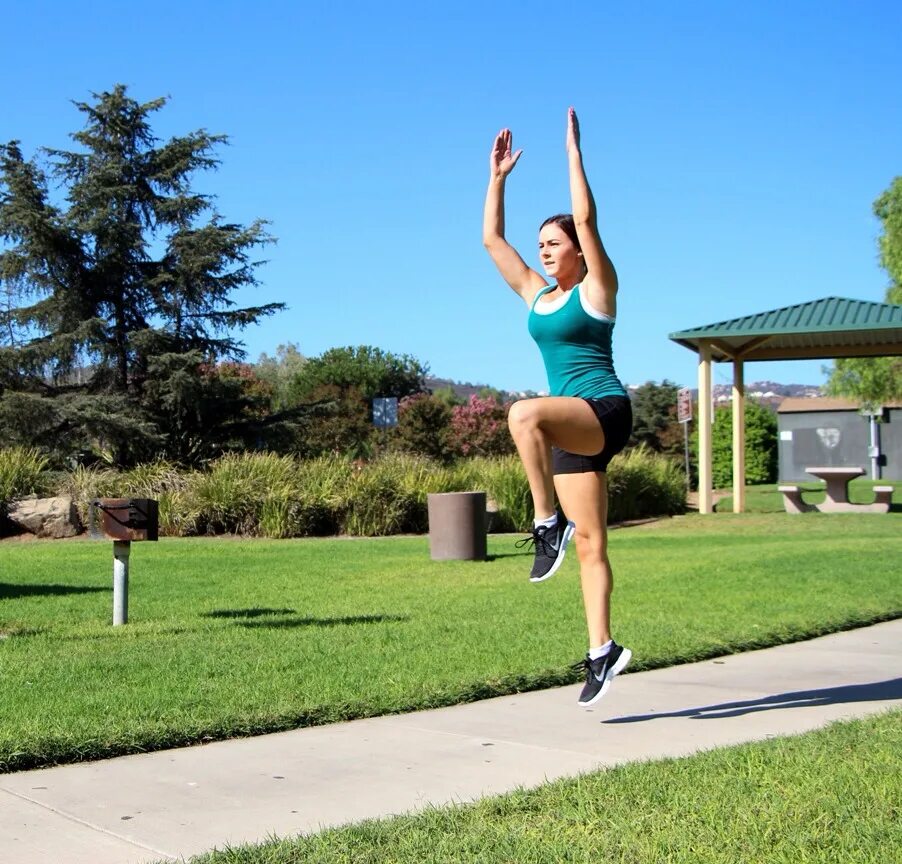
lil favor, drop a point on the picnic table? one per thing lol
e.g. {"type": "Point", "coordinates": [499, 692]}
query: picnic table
{"type": "Point", "coordinates": [837, 500]}
{"type": "Point", "coordinates": [837, 480]}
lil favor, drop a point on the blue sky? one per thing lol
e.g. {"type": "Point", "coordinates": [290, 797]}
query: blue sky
{"type": "Point", "coordinates": [734, 149]}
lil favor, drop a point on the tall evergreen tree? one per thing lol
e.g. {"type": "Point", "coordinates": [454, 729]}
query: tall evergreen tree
{"type": "Point", "coordinates": [127, 281]}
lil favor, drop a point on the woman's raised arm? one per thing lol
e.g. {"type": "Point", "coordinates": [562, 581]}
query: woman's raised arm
{"type": "Point", "coordinates": [514, 270]}
{"type": "Point", "coordinates": [601, 279]}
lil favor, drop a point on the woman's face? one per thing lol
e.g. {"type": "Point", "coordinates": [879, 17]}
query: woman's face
{"type": "Point", "coordinates": [558, 253]}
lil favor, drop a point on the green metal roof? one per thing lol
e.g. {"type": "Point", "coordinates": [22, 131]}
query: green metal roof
{"type": "Point", "coordinates": [832, 327]}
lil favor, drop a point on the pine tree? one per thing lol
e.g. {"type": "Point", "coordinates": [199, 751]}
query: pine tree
{"type": "Point", "coordinates": [127, 281]}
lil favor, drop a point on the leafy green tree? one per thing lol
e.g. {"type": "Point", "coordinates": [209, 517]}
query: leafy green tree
{"type": "Point", "coordinates": [888, 209]}
{"type": "Point", "coordinates": [447, 396]}
{"type": "Point", "coordinates": [280, 371]}
{"type": "Point", "coordinates": [424, 422]}
{"type": "Point", "coordinates": [336, 420]}
{"type": "Point", "coordinates": [193, 395]}
{"type": "Point", "coordinates": [129, 279]}
{"type": "Point", "coordinates": [760, 445]}
{"type": "Point", "coordinates": [369, 370]}
{"type": "Point", "coordinates": [654, 417]}
{"type": "Point", "coordinates": [337, 389]}
{"type": "Point", "coordinates": [494, 393]}
{"type": "Point", "coordinates": [874, 381]}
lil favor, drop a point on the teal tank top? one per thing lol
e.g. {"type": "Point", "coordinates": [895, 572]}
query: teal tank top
{"type": "Point", "coordinates": [575, 341]}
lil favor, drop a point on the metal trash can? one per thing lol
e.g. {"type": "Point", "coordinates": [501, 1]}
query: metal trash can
{"type": "Point", "coordinates": [457, 526]}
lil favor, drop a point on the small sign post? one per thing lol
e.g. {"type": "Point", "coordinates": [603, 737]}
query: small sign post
{"type": "Point", "coordinates": [684, 415]}
{"type": "Point", "coordinates": [385, 412]}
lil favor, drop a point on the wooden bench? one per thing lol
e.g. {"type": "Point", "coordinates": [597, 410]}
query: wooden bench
{"type": "Point", "coordinates": [792, 500]}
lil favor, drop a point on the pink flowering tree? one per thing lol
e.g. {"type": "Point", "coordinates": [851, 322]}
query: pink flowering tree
{"type": "Point", "coordinates": [479, 428]}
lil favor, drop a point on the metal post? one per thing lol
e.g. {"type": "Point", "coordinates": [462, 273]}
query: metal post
{"type": "Point", "coordinates": [686, 446]}
{"type": "Point", "coordinates": [705, 414]}
{"type": "Point", "coordinates": [121, 549]}
{"type": "Point", "coordinates": [874, 449]}
{"type": "Point", "coordinates": [738, 437]}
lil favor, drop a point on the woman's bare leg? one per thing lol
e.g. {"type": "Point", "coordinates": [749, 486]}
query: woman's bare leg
{"type": "Point", "coordinates": [584, 498]}
{"type": "Point", "coordinates": [536, 425]}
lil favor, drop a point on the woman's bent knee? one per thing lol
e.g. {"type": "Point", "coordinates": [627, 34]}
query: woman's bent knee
{"type": "Point", "coordinates": [521, 415]}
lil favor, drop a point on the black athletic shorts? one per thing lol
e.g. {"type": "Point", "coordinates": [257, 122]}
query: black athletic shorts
{"type": "Point", "coordinates": [615, 413]}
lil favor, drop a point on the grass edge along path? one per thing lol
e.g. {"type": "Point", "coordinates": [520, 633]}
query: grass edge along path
{"type": "Point", "coordinates": [507, 686]}
{"type": "Point", "coordinates": [831, 795]}
{"type": "Point", "coordinates": [690, 589]}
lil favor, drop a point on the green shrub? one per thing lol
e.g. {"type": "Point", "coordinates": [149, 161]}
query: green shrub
{"type": "Point", "coordinates": [311, 505]}
{"type": "Point", "coordinates": [423, 424]}
{"type": "Point", "coordinates": [166, 484]}
{"type": "Point", "coordinates": [230, 496]}
{"type": "Point", "coordinates": [162, 481]}
{"type": "Point", "coordinates": [86, 483]}
{"type": "Point", "coordinates": [760, 446]}
{"type": "Point", "coordinates": [644, 483]}
{"type": "Point", "coordinates": [387, 496]}
{"type": "Point", "coordinates": [264, 494]}
{"type": "Point", "coordinates": [21, 473]}
{"type": "Point", "coordinates": [504, 480]}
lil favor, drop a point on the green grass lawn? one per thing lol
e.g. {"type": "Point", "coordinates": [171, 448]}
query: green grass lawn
{"type": "Point", "coordinates": [766, 498]}
{"type": "Point", "coordinates": [234, 637]}
{"type": "Point", "coordinates": [829, 796]}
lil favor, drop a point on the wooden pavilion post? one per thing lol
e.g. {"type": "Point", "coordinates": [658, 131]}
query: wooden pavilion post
{"type": "Point", "coordinates": [738, 437]}
{"type": "Point", "coordinates": [705, 491]}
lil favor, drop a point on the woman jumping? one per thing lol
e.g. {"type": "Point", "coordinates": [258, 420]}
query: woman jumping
{"type": "Point", "coordinates": [567, 439]}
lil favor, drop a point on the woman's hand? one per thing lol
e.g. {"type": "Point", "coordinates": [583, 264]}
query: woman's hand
{"type": "Point", "coordinates": [501, 161]}
{"type": "Point", "coordinates": [572, 132]}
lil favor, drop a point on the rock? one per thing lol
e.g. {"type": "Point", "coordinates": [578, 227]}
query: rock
{"type": "Point", "coordinates": [46, 517]}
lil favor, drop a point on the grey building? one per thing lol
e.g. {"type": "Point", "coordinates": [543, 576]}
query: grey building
{"type": "Point", "coordinates": [832, 432]}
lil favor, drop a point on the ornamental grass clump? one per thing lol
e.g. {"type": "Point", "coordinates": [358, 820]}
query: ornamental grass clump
{"type": "Point", "coordinates": [86, 482]}
{"type": "Point", "coordinates": [309, 505]}
{"type": "Point", "coordinates": [504, 481]}
{"type": "Point", "coordinates": [230, 496]}
{"type": "Point", "coordinates": [644, 483]}
{"type": "Point", "coordinates": [162, 481]}
{"type": "Point", "coordinates": [268, 495]}
{"type": "Point", "coordinates": [167, 485]}
{"type": "Point", "coordinates": [386, 496]}
{"type": "Point", "coordinates": [21, 473]}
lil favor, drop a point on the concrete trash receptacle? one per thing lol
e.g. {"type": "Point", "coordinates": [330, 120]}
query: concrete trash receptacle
{"type": "Point", "coordinates": [457, 529]}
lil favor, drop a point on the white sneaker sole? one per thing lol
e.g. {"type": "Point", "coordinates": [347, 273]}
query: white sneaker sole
{"type": "Point", "coordinates": [568, 533]}
{"type": "Point", "coordinates": [616, 669]}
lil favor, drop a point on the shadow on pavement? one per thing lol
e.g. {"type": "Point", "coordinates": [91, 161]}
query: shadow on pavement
{"type": "Point", "coordinates": [875, 692]}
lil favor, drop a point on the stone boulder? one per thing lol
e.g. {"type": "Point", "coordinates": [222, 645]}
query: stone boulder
{"type": "Point", "coordinates": [46, 517]}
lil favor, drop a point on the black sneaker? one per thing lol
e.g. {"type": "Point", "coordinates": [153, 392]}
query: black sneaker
{"type": "Point", "coordinates": [550, 547]}
{"type": "Point", "coordinates": [600, 673]}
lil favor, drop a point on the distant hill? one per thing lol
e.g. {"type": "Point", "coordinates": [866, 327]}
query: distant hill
{"type": "Point", "coordinates": [465, 390]}
{"type": "Point", "coordinates": [765, 392]}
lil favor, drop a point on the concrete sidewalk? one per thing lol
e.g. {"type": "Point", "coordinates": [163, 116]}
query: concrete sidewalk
{"type": "Point", "coordinates": [183, 802]}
